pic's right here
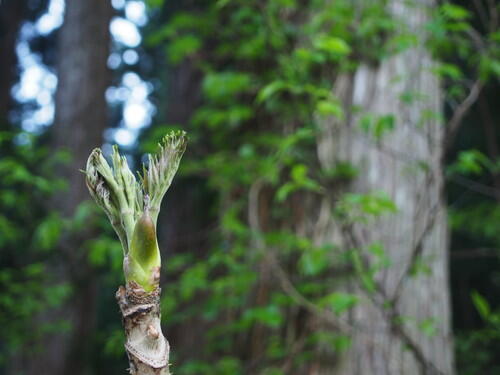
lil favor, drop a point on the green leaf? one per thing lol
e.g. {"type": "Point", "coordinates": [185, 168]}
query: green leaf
{"type": "Point", "coordinates": [377, 126]}
{"type": "Point", "coordinates": [384, 124]}
{"type": "Point", "coordinates": [268, 315]}
{"type": "Point", "coordinates": [448, 70]}
{"type": "Point", "coordinates": [471, 162]}
{"type": "Point", "coordinates": [271, 89]}
{"type": "Point", "coordinates": [8, 231]}
{"type": "Point", "coordinates": [428, 327]}
{"type": "Point", "coordinates": [331, 44]}
{"type": "Point", "coordinates": [223, 86]}
{"type": "Point", "coordinates": [285, 190]}
{"type": "Point", "coordinates": [365, 276]}
{"type": "Point", "coordinates": [379, 253]}
{"type": "Point", "coordinates": [454, 12]}
{"type": "Point", "coordinates": [216, 118]}
{"type": "Point", "coordinates": [114, 343]}
{"type": "Point", "coordinates": [329, 108]}
{"type": "Point", "coordinates": [313, 261]}
{"type": "Point", "coordinates": [337, 342]}
{"type": "Point", "coordinates": [193, 279]}
{"type": "Point", "coordinates": [57, 294]}
{"type": "Point", "coordinates": [481, 305]}
{"type": "Point", "coordinates": [154, 3]}
{"type": "Point", "coordinates": [101, 250]}
{"type": "Point", "coordinates": [231, 221]}
{"type": "Point", "coordinates": [342, 170]}
{"type": "Point", "coordinates": [372, 204]}
{"type": "Point", "coordinates": [340, 302]}
{"type": "Point", "coordinates": [183, 46]}
{"type": "Point", "coordinates": [299, 173]}
{"type": "Point", "coordinates": [48, 232]}
{"type": "Point", "coordinates": [300, 180]}
{"type": "Point", "coordinates": [421, 266]}
{"type": "Point", "coordinates": [228, 366]}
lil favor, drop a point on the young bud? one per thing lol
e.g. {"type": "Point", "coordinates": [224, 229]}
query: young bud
{"type": "Point", "coordinates": [143, 261]}
{"type": "Point", "coordinates": [133, 206]}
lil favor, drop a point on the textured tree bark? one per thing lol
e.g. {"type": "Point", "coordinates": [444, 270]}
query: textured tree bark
{"type": "Point", "coordinates": [406, 164]}
{"type": "Point", "coordinates": [83, 76]}
{"type": "Point", "coordinates": [80, 120]}
{"type": "Point", "coordinates": [147, 349]}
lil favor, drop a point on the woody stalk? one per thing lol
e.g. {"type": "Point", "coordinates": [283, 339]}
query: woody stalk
{"type": "Point", "coordinates": [132, 206]}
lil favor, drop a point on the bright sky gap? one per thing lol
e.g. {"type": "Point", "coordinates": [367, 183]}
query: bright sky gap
{"type": "Point", "coordinates": [38, 82]}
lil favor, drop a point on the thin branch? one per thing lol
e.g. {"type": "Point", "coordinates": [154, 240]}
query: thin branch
{"type": "Point", "coordinates": [285, 282]}
{"type": "Point", "coordinates": [481, 11]}
{"type": "Point", "coordinates": [416, 253]}
{"type": "Point", "coordinates": [427, 367]}
{"type": "Point", "coordinates": [390, 311]}
{"type": "Point", "coordinates": [475, 253]}
{"type": "Point", "coordinates": [475, 186]}
{"type": "Point", "coordinates": [493, 15]}
{"type": "Point", "coordinates": [459, 114]}
{"type": "Point", "coordinates": [300, 300]}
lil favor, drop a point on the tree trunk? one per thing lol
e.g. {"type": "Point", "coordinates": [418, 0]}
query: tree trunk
{"type": "Point", "coordinates": [81, 109]}
{"type": "Point", "coordinates": [11, 16]}
{"type": "Point", "coordinates": [406, 164]}
{"type": "Point", "coordinates": [80, 120]}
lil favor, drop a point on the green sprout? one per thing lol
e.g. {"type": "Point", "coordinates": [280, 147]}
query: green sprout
{"type": "Point", "coordinates": [132, 205]}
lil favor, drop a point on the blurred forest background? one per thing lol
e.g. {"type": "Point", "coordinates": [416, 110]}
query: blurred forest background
{"type": "Point", "coordinates": [337, 210]}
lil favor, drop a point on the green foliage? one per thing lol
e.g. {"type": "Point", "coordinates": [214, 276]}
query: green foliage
{"type": "Point", "coordinates": [27, 182]}
{"type": "Point", "coordinates": [479, 220]}
{"type": "Point", "coordinates": [314, 260]}
{"type": "Point", "coordinates": [473, 162]}
{"type": "Point", "coordinates": [298, 181]}
{"type": "Point", "coordinates": [104, 251]}
{"type": "Point", "coordinates": [266, 70]}
{"type": "Point", "coordinates": [428, 326]}
{"type": "Point", "coordinates": [266, 85]}
{"type": "Point", "coordinates": [483, 307]}
{"type": "Point", "coordinates": [377, 126]}
{"type": "Point", "coordinates": [333, 47]}
{"type": "Point", "coordinates": [48, 232]}
{"type": "Point", "coordinates": [220, 87]}
{"type": "Point", "coordinates": [183, 47]}
{"type": "Point", "coordinates": [340, 302]}
{"type": "Point", "coordinates": [362, 207]}
{"type": "Point", "coordinates": [481, 342]}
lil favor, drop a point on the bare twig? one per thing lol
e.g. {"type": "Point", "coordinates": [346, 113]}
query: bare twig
{"type": "Point", "coordinates": [299, 299]}
{"type": "Point", "coordinates": [285, 283]}
{"type": "Point", "coordinates": [427, 367]}
{"type": "Point", "coordinates": [416, 253]}
{"type": "Point", "coordinates": [475, 186]}
{"type": "Point", "coordinates": [475, 253]}
{"type": "Point", "coordinates": [492, 7]}
{"type": "Point", "coordinates": [393, 316]}
{"type": "Point", "coordinates": [481, 11]}
{"type": "Point", "coordinates": [459, 114]}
